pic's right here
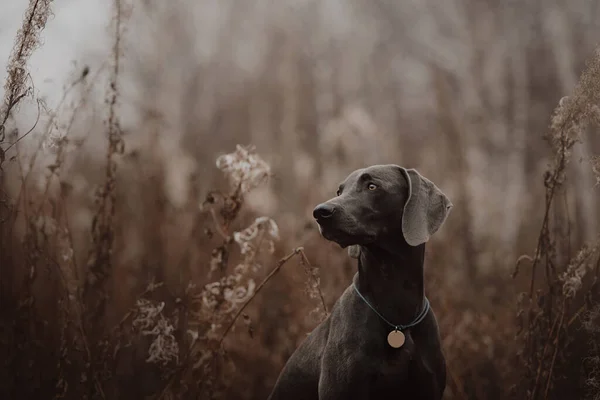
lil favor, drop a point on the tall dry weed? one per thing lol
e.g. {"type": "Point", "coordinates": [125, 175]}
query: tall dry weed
{"type": "Point", "coordinates": [551, 309]}
{"type": "Point", "coordinates": [16, 87]}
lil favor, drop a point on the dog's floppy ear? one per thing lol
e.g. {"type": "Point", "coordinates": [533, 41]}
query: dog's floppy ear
{"type": "Point", "coordinates": [354, 251]}
{"type": "Point", "coordinates": [426, 208]}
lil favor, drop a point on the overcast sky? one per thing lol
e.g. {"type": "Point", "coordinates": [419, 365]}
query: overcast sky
{"type": "Point", "coordinates": [75, 33]}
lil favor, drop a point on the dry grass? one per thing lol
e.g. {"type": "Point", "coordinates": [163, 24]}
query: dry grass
{"type": "Point", "coordinates": [157, 258]}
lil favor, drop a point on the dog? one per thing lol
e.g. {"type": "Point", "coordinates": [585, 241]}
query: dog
{"type": "Point", "coordinates": [381, 340]}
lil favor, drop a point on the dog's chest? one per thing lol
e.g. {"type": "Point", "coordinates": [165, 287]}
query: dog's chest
{"type": "Point", "coordinates": [392, 368]}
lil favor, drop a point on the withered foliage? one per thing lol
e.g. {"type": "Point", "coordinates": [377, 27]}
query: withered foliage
{"type": "Point", "coordinates": [146, 272]}
{"type": "Point", "coordinates": [550, 313]}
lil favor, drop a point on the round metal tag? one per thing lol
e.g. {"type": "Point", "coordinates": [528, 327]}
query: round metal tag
{"type": "Point", "coordinates": [396, 339]}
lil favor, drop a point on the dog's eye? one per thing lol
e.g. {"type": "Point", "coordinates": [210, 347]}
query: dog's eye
{"type": "Point", "coordinates": [372, 186]}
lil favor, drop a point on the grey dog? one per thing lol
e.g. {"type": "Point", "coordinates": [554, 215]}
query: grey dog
{"type": "Point", "coordinates": [384, 215]}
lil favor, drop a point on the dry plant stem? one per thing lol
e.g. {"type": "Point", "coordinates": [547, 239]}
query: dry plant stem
{"type": "Point", "coordinates": [546, 346]}
{"type": "Point", "coordinates": [116, 65]}
{"type": "Point", "coordinates": [551, 184]}
{"type": "Point", "coordinates": [280, 263]}
{"type": "Point", "coordinates": [60, 154]}
{"type": "Point", "coordinates": [568, 222]}
{"type": "Point", "coordinates": [102, 227]}
{"type": "Point", "coordinates": [576, 315]}
{"type": "Point", "coordinates": [218, 226]}
{"type": "Point", "coordinates": [307, 263]}
{"type": "Point", "coordinates": [48, 129]}
{"type": "Point", "coordinates": [549, 198]}
{"type": "Point", "coordinates": [556, 346]}
{"type": "Point", "coordinates": [37, 119]}
{"type": "Point", "coordinates": [37, 15]}
{"type": "Point", "coordinates": [521, 258]}
{"type": "Point", "coordinates": [552, 340]}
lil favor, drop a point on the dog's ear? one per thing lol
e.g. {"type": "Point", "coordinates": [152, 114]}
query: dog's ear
{"type": "Point", "coordinates": [426, 208]}
{"type": "Point", "coordinates": [354, 251]}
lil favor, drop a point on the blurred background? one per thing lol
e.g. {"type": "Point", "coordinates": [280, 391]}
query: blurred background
{"type": "Point", "coordinates": [462, 90]}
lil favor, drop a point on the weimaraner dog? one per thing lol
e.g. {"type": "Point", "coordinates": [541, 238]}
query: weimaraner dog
{"type": "Point", "coordinates": [381, 340]}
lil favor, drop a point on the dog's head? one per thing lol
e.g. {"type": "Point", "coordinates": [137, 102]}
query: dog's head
{"type": "Point", "coordinates": [383, 202]}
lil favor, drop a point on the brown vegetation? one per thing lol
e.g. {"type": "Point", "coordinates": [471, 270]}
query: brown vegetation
{"type": "Point", "coordinates": [144, 253]}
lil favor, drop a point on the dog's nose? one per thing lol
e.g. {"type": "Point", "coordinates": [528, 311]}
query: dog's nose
{"type": "Point", "coordinates": [323, 211]}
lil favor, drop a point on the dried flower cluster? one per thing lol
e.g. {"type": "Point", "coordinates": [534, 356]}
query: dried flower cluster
{"type": "Point", "coordinates": [595, 162]}
{"type": "Point", "coordinates": [149, 320]}
{"type": "Point", "coordinates": [26, 42]}
{"type": "Point", "coordinates": [262, 230]}
{"type": "Point", "coordinates": [214, 308]}
{"type": "Point", "coordinates": [573, 276]}
{"type": "Point", "coordinates": [225, 295]}
{"type": "Point", "coordinates": [244, 169]}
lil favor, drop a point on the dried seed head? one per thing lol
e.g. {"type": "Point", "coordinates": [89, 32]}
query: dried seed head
{"type": "Point", "coordinates": [244, 168]}
{"type": "Point", "coordinates": [149, 320]}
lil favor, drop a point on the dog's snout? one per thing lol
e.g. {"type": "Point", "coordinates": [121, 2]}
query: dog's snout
{"type": "Point", "coordinates": [323, 211]}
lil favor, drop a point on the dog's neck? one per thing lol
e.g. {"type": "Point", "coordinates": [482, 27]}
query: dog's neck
{"type": "Point", "coordinates": [391, 279]}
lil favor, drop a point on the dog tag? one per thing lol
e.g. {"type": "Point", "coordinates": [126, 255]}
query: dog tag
{"type": "Point", "coordinates": [396, 338]}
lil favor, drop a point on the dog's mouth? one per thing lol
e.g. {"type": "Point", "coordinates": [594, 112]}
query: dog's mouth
{"type": "Point", "coordinates": [343, 236]}
{"type": "Point", "coordinates": [335, 236]}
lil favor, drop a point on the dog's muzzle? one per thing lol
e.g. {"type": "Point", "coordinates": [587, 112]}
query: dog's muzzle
{"type": "Point", "coordinates": [323, 211]}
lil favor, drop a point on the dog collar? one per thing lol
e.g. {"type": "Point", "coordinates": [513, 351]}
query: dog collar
{"type": "Point", "coordinates": [396, 337]}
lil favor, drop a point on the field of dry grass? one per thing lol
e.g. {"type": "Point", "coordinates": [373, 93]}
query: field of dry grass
{"type": "Point", "coordinates": [156, 238]}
